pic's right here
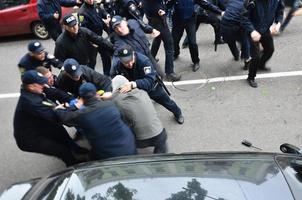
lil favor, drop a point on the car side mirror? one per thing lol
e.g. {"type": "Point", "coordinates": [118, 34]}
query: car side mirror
{"type": "Point", "coordinates": [289, 148]}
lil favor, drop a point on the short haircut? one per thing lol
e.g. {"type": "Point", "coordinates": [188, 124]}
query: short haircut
{"type": "Point", "coordinates": [42, 70]}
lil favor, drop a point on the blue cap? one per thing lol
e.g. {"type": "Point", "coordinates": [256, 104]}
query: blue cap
{"type": "Point", "coordinates": [125, 53]}
{"type": "Point", "coordinates": [35, 47]}
{"type": "Point", "coordinates": [32, 76]}
{"type": "Point", "coordinates": [116, 20]}
{"type": "Point", "coordinates": [72, 67]}
{"type": "Point", "coordinates": [69, 20]}
{"type": "Point", "coordinates": [87, 90]}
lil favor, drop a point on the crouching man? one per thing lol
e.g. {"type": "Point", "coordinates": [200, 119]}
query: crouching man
{"type": "Point", "coordinates": [139, 113]}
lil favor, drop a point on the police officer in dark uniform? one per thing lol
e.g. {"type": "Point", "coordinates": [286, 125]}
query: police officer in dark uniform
{"type": "Point", "coordinates": [36, 126]}
{"type": "Point", "coordinates": [133, 33]}
{"type": "Point", "coordinates": [74, 75]}
{"type": "Point", "coordinates": [37, 56]}
{"type": "Point", "coordinates": [155, 11]}
{"type": "Point", "coordinates": [91, 17]}
{"type": "Point", "coordinates": [184, 19]}
{"type": "Point", "coordinates": [204, 16]}
{"type": "Point", "coordinates": [138, 69]}
{"type": "Point", "coordinates": [101, 123]}
{"type": "Point", "coordinates": [264, 21]}
{"type": "Point", "coordinates": [233, 30]}
{"type": "Point", "coordinates": [75, 42]}
{"type": "Point", "coordinates": [50, 13]}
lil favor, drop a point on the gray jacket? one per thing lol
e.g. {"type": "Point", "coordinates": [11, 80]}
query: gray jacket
{"type": "Point", "coordinates": [139, 113]}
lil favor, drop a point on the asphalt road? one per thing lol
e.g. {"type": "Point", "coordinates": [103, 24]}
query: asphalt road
{"type": "Point", "coordinates": [218, 113]}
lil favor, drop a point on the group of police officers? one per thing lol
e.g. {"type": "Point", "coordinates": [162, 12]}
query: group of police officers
{"type": "Point", "coordinates": [87, 95]}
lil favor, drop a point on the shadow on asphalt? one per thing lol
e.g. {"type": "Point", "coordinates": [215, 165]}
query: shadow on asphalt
{"type": "Point", "coordinates": [18, 38]}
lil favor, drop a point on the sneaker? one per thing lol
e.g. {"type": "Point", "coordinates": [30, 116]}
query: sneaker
{"type": "Point", "coordinates": [195, 67]}
{"type": "Point", "coordinates": [252, 83]}
{"type": "Point", "coordinates": [173, 77]}
{"type": "Point", "coordinates": [180, 119]}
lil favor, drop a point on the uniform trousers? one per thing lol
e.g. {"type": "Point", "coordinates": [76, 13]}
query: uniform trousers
{"type": "Point", "coordinates": [259, 58]}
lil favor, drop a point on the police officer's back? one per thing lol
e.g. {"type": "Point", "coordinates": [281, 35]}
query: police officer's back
{"type": "Point", "coordinates": [102, 125]}
{"type": "Point", "coordinates": [36, 126]}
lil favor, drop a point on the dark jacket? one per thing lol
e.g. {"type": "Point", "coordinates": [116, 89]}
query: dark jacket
{"type": "Point", "coordinates": [151, 8]}
{"type": "Point", "coordinates": [56, 94]}
{"type": "Point", "coordinates": [143, 72]}
{"type": "Point", "coordinates": [78, 47]}
{"type": "Point", "coordinates": [34, 117]}
{"type": "Point", "coordinates": [100, 81]}
{"type": "Point", "coordinates": [264, 14]}
{"type": "Point", "coordinates": [102, 125]}
{"type": "Point", "coordinates": [46, 9]}
{"type": "Point", "coordinates": [137, 38]}
{"type": "Point", "coordinates": [184, 9]}
{"type": "Point", "coordinates": [234, 13]}
{"type": "Point", "coordinates": [28, 62]}
{"type": "Point", "coordinates": [91, 18]}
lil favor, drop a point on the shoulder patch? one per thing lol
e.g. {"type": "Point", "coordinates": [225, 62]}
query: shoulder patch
{"type": "Point", "coordinates": [81, 18]}
{"type": "Point", "coordinates": [147, 70]}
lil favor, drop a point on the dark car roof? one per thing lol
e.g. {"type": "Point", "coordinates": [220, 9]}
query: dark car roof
{"type": "Point", "coordinates": [207, 175]}
{"type": "Point", "coordinates": [232, 176]}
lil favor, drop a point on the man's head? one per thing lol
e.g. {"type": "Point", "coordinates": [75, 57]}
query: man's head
{"type": "Point", "coordinates": [118, 81]}
{"type": "Point", "coordinates": [72, 69]}
{"type": "Point", "coordinates": [70, 24]}
{"type": "Point", "coordinates": [87, 91]}
{"type": "Point", "coordinates": [126, 56]}
{"type": "Point", "coordinates": [47, 74]}
{"type": "Point", "coordinates": [36, 50]}
{"type": "Point", "coordinates": [34, 81]}
{"type": "Point", "coordinates": [119, 25]}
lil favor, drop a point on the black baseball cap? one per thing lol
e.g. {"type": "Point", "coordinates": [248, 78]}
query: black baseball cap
{"type": "Point", "coordinates": [32, 76]}
{"type": "Point", "coordinates": [87, 90]}
{"type": "Point", "coordinates": [69, 20]}
{"type": "Point", "coordinates": [72, 67]}
{"type": "Point", "coordinates": [35, 47]}
{"type": "Point", "coordinates": [125, 53]}
{"type": "Point", "coordinates": [116, 20]}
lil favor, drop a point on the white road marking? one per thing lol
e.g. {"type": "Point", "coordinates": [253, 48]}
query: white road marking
{"type": "Point", "coordinates": [9, 95]}
{"type": "Point", "coordinates": [235, 78]}
{"type": "Point", "coordinates": [200, 81]}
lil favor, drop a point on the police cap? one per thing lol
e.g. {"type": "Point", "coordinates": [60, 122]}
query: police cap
{"type": "Point", "coordinates": [125, 53]}
{"type": "Point", "coordinates": [116, 20]}
{"type": "Point", "coordinates": [87, 90]}
{"type": "Point", "coordinates": [35, 47]}
{"type": "Point", "coordinates": [69, 20]}
{"type": "Point", "coordinates": [72, 67]}
{"type": "Point", "coordinates": [32, 76]}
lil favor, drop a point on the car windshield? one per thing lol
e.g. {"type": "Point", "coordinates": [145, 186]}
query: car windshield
{"type": "Point", "coordinates": [292, 175]}
{"type": "Point", "coordinates": [205, 180]}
